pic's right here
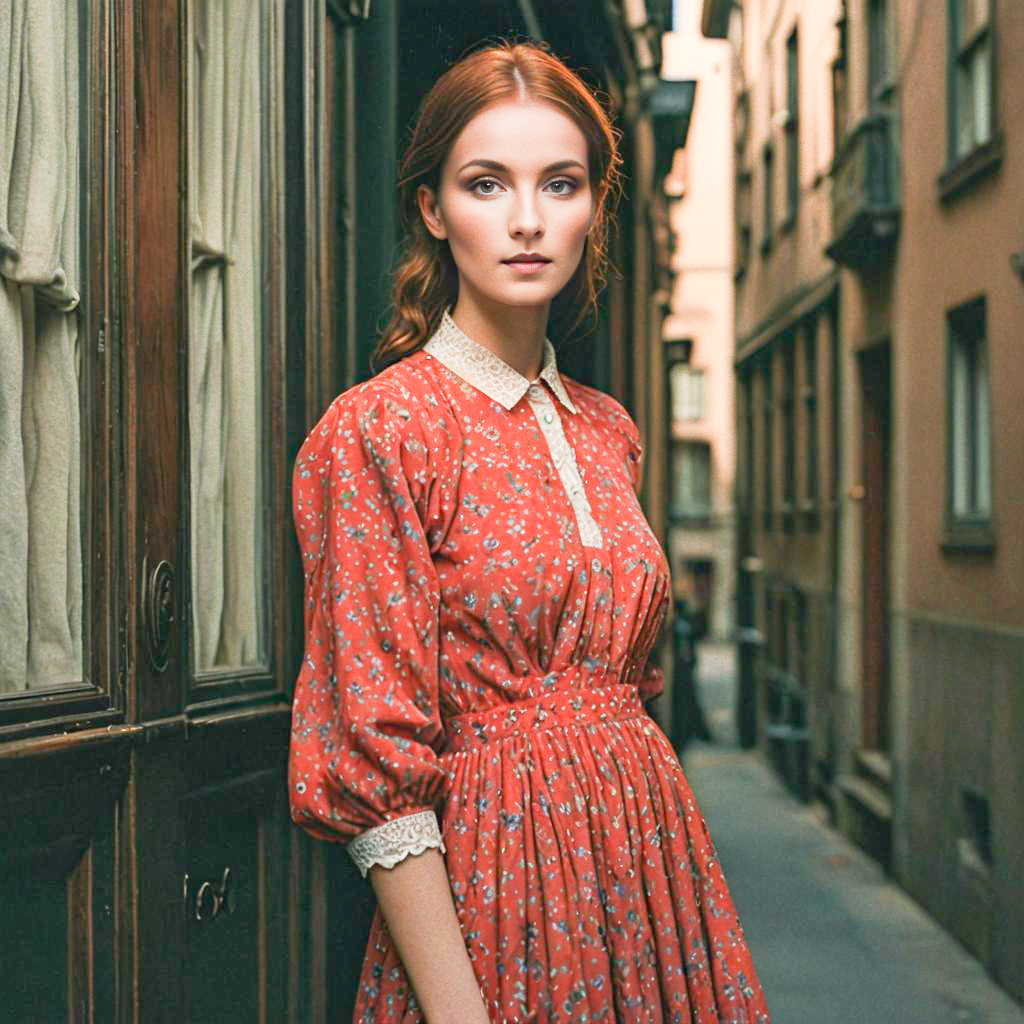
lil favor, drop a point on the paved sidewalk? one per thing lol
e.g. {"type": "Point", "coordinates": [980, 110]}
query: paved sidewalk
{"type": "Point", "coordinates": [834, 940]}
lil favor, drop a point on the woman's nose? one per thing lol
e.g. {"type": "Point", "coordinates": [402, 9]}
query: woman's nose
{"type": "Point", "coordinates": [526, 219]}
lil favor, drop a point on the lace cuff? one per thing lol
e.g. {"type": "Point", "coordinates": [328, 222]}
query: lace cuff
{"type": "Point", "coordinates": [395, 840]}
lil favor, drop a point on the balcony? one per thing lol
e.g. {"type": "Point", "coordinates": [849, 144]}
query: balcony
{"type": "Point", "coordinates": [865, 194]}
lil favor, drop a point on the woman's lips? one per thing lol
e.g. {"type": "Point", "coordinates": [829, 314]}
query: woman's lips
{"type": "Point", "coordinates": [522, 267]}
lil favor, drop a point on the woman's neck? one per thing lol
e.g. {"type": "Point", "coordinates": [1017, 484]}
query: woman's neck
{"type": "Point", "coordinates": [515, 334]}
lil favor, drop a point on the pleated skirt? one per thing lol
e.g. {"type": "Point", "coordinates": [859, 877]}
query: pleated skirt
{"type": "Point", "coordinates": [586, 882]}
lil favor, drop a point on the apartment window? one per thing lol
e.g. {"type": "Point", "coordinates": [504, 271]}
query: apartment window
{"type": "Point", "coordinates": [691, 479]}
{"type": "Point", "coordinates": [788, 431]}
{"type": "Point", "coordinates": [768, 161]}
{"type": "Point", "coordinates": [743, 219]}
{"type": "Point", "coordinates": [970, 76]}
{"type": "Point", "coordinates": [743, 211]}
{"type": "Point", "coordinates": [742, 126]}
{"type": "Point", "coordinates": [810, 405]}
{"type": "Point", "coordinates": [879, 51]}
{"type": "Point", "coordinates": [768, 451]}
{"type": "Point", "coordinates": [747, 454]}
{"type": "Point", "coordinates": [687, 393]}
{"type": "Point", "coordinates": [792, 127]}
{"type": "Point", "coordinates": [969, 467]}
{"type": "Point", "coordinates": [834, 374]}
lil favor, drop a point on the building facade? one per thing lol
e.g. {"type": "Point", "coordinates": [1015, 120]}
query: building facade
{"type": "Point", "coordinates": [197, 229]}
{"type": "Point", "coordinates": [880, 295]}
{"type": "Point", "coordinates": [699, 335]}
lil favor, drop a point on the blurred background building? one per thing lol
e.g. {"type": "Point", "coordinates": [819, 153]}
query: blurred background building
{"type": "Point", "coordinates": [699, 335]}
{"type": "Point", "coordinates": [880, 295]}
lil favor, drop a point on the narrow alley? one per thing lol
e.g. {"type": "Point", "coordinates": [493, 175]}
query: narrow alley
{"type": "Point", "coordinates": [835, 941]}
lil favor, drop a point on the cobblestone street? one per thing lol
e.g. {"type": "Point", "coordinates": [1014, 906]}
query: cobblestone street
{"type": "Point", "coordinates": [835, 941]}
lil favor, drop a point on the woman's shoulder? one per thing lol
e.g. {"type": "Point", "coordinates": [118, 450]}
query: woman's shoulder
{"type": "Point", "coordinates": [401, 391]}
{"type": "Point", "coordinates": [398, 406]}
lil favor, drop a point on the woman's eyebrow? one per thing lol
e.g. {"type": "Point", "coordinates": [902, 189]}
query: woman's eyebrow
{"type": "Point", "coordinates": [495, 166]}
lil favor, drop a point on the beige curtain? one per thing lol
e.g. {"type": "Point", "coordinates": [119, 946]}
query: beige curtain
{"type": "Point", "coordinates": [225, 355]}
{"type": "Point", "coordinates": [40, 441]}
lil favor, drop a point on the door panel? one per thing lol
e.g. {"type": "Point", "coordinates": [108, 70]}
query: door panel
{"type": "Point", "coordinates": [57, 885]}
{"type": "Point", "coordinates": [234, 922]}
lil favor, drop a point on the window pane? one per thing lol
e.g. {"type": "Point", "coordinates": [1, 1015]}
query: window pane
{"type": "Point", "coordinates": [970, 424]}
{"type": "Point", "coordinates": [960, 448]}
{"type": "Point", "coordinates": [792, 74]}
{"type": "Point", "coordinates": [981, 92]}
{"type": "Point", "coordinates": [687, 393]}
{"type": "Point", "coordinates": [792, 169]}
{"type": "Point", "coordinates": [693, 478]}
{"type": "Point", "coordinates": [983, 471]}
{"type": "Point", "coordinates": [965, 132]}
{"type": "Point", "coordinates": [230, 147]}
{"type": "Point", "coordinates": [811, 411]}
{"type": "Point", "coordinates": [41, 221]}
{"type": "Point", "coordinates": [878, 42]}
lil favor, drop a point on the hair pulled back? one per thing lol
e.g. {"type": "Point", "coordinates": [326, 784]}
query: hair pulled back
{"type": "Point", "coordinates": [425, 279]}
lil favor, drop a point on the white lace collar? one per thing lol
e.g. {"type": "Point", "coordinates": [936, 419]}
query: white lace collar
{"type": "Point", "coordinates": [479, 366]}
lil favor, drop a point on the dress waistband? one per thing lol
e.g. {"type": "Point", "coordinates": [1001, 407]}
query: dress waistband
{"type": "Point", "coordinates": [560, 707]}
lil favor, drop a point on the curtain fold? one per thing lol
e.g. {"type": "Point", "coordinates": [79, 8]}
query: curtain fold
{"type": "Point", "coordinates": [226, 337]}
{"type": "Point", "coordinates": [40, 429]}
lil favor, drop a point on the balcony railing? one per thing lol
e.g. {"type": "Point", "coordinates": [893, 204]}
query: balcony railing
{"type": "Point", "coordinates": [865, 193]}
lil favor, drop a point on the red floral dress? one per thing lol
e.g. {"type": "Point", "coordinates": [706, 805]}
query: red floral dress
{"type": "Point", "coordinates": [482, 595]}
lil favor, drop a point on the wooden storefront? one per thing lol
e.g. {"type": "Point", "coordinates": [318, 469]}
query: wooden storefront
{"type": "Point", "coordinates": [199, 227]}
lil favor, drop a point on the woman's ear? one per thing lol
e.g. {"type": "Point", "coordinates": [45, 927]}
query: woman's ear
{"type": "Point", "coordinates": [430, 211]}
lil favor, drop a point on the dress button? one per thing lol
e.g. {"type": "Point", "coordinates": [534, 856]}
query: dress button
{"type": "Point", "coordinates": [548, 418]}
{"type": "Point", "coordinates": [536, 391]}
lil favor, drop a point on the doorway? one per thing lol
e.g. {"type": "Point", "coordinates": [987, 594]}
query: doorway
{"type": "Point", "coordinates": [876, 474]}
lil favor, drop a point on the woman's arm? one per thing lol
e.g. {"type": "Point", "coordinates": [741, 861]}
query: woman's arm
{"type": "Point", "coordinates": [415, 898]}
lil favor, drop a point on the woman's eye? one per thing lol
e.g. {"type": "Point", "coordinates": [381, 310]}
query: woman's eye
{"type": "Point", "coordinates": [483, 181]}
{"type": "Point", "coordinates": [568, 186]}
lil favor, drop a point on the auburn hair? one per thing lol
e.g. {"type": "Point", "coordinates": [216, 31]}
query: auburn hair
{"type": "Point", "coordinates": [425, 279]}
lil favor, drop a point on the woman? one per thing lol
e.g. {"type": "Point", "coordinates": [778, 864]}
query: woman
{"type": "Point", "coordinates": [482, 594]}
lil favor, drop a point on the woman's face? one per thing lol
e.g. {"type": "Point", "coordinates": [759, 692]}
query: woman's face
{"type": "Point", "coordinates": [515, 181]}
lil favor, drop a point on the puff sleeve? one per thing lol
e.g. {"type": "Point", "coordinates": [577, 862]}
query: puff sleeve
{"type": "Point", "coordinates": [363, 767]}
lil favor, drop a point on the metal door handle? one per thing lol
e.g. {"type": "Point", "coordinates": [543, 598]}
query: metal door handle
{"type": "Point", "coordinates": [211, 897]}
{"type": "Point", "coordinates": [158, 610]}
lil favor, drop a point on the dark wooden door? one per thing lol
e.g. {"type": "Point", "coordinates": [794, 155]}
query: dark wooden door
{"type": "Point", "coordinates": [874, 375]}
{"type": "Point", "coordinates": [216, 638]}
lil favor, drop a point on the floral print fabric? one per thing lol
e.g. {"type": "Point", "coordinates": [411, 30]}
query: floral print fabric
{"type": "Point", "coordinates": [468, 653]}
